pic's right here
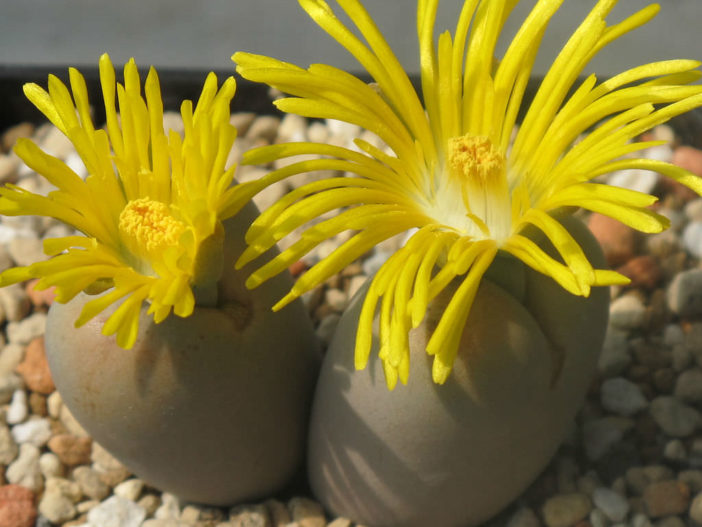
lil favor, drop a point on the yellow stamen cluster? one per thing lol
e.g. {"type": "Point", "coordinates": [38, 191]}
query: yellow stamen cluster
{"type": "Point", "coordinates": [471, 158]}
{"type": "Point", "coordinates": [147, 226]}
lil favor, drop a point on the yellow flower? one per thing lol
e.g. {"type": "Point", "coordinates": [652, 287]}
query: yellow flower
{"type": "Point", "coordinates": [151, 208]}
{"type": "Point", "coordinates": [454, 174]}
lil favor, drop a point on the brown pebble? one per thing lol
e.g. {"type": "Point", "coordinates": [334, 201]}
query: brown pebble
{"type": "Point", "coordinates": [278, 512]}
{"type": "Point", "coordinates": [690, 159]}
{"type": "Point", "coordinates": [40, 298]}
{"type": "Point", "coordinates": [9, 138]}
{"type": "Point", "coordinates": [17, 507]}
{"type": "Point", "coordinates": [34, 369]}
{"type": "Point", "coordinates": [616, 239]}
{"type": "Point", "coordinates": [643, 271]}
{"type": "Point", "coordinates": [37, 403]}
{"type": "Point", "coordinates": [664, 380]}
{"type": "Point", "coordinates": [298, 268]}
{"type": "Point", "coordinates": [71, 450]}
{"type": "Point", "coordinates": [666, 498]}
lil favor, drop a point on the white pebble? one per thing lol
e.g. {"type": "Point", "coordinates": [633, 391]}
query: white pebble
{"type": "Point", "coordinates": [130, 489]}
{"type": "Point", "coordinates": [76, 164]}
{"type": "Point", "coordinates": [627, 312]}
{"type": "Point", "coordinates": [116, 512]}
{"type": "Point", "coordinates": [18, 410]}
{"type": "Point", "coordinates": [634, 179]}
{"type": "Point", "coordinates": [36, 431]}
{"type": "Point", "coordinates": [24, 331]}
{"type": "Point", "coordinates": [336, 299]}
{"type": "Point", "coordinates": [692, 238]}
{"type": "Point", "coordinates": [54, 403]}
{"type": "Point", "coordinates": [170, 507]}
{"type": "Point", "coordinates": [25, 469]}
{"type": "Point", "coordinates": [50, 465]}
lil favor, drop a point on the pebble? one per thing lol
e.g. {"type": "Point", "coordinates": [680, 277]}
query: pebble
{"type": "Point", "coordinates": [600, 434]}
{"type": "Point", "coordinates": [170, 507]}
{"type": "Point", "coordinates": [565, 510]}
{"type": "Point", "coordinates": [688, 386]}
{"type": "Point", "coordinates": [70, 423]}
{"type": "Point", "coordinates": [675, 418]}
{"type": "Point", "coordinates": [10, 357]}
{"type": "Point", "coordinates": [279, 513]}
{"type": "Point", "coordinates": [50, 465]}
{"type": "Point", "coordinates": [112, 471]}
{"type": "Point", "coordinates": [612, 504]}
{"type": "Point", "coordinates": [8, 168]}
{"type": "Point", "coordinates": [616, 239]}
{"type": "Point", "coordinates": [627, 312]}
{"type": "Point", "coordinates": [14, 302]}
{"type": "Point", "coordinates": [684, 294]}
{"type": "Point", "coordinates": [56, 507]}
{"type": "Point", "coordinates": [306, 512]}
{"type": "Point", "coordinates": [17, 507]}
{"type": "Point", "coordinates": [666, 498]}
{"type": "Point", "coordinates": [154, 522]}
{"type": "Point", "coordinates": [524, 517]}
{"type": "Point", "coordinates": [8, 446]}
{"type": "Point", "coordinates": [336, 299]}
{"type": "Point", "coordinates": [674, 450]}
{"type": "Point", "coordinates": [116, 512]}
{"type": "Point", "coordinates": [18, 409]}
{"type": "Point", "coordinates": [25, 251]}
{"type": "Point", "coordinates": [130, 489]}
{"type": "Point", "coordinates": [34, 369]}
{"type": "Point", "coordinates": [27, 329]}
{"type": "Point", "coordinates": [340, 522]}
{"type": "Point", "coordinates": [643, 271]}
{"type": "Point", "coordinates": [614, 358]}
{"type": "Point", "coordinates": [696, 508]}
{"type": "Point", "coordinates": [692, 478]}
{"type": "Point", "coordinates": [634, 179]}
{"type": "Point", "coordinates": [25, 469]}
{"type": "Point", "coordinates": [71, 450]}
{"type": "Point", "coordinates": [9, 384]}
{"type": "Point", "coordinates": [150, 503]}
{"type": "Point", "coordinates": [622, 397]}
{"type": "Point", "coordinates": [36, 431]}
{"type": "Point", "coordinates": [263, 127]}
{"type": "Point", "coordinates": [692, 238]}
{"type": "Point", "coordinates": [90, 483]}
{"type": "Point", "coordinates": [249, 516]}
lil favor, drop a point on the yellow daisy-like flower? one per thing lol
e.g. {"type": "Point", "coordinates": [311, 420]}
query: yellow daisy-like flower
{"type": "Point", "coordinates": [454, 174]}
{"type": "Point", "coordinates": [151, 208]}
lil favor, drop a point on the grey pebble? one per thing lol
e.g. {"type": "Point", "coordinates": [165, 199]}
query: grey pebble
{"type": "Point", "coordinates": [673, 416]}
{"type": "Point", "coordinates": [612, 504]}
{"type": "Point", "coordinates": [524, 517]}
{"type": "Point", "coordinates": [599, 435]}
{"type": "Point", "coordinates": [684, 293]}
{"type": "Point", "coordinates": [90, 483]}
{"type": "Point", "coordinates": [615, 356]}
{"type": "Point", "coordinates": [688, 386]}
{"type": "Point", "coordinates": [622, 397]}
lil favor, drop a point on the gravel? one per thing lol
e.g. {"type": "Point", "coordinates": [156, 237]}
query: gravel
{"type": "Point", "coordinates": [633, 458]}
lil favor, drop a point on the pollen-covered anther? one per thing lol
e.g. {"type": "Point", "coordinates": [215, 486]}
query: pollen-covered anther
{"type": "Point", "coordinates": [475, 159]}
{"type": "Point", "coordinates": [149, 226]}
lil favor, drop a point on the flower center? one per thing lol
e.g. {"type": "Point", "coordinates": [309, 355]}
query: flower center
{"type": "Point", "coordinates": [474, 159]}
{"type": "Point", "coordinates": [477, 187]}
{"type": "Point", "coordinates": [148, 227]}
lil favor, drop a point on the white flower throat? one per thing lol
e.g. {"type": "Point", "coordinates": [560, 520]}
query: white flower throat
{"type": "Point", "coordinates": [473, 194]}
